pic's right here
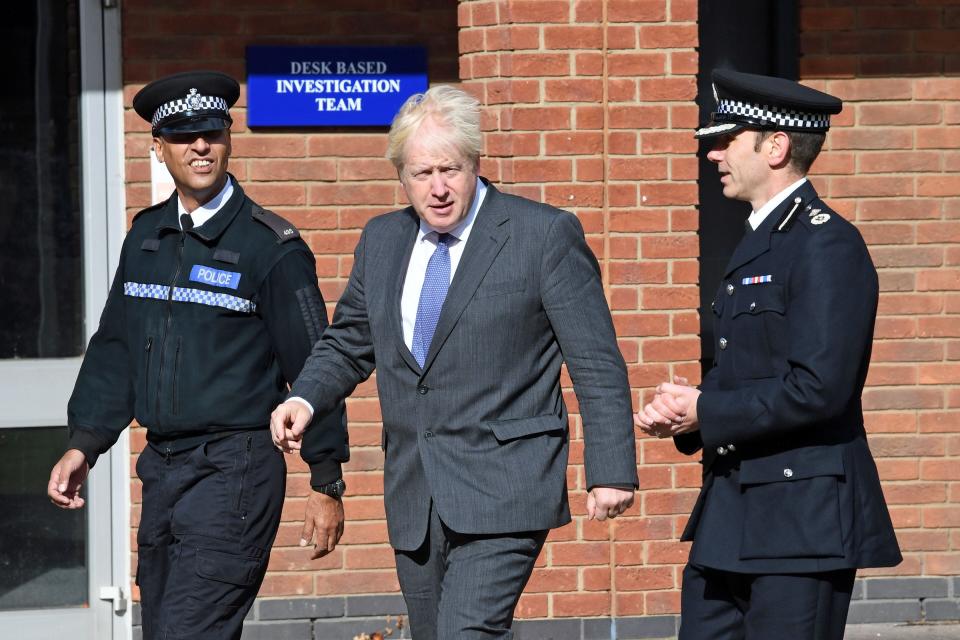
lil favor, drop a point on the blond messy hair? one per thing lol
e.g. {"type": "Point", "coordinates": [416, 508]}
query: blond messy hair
{"type": "Point", "coordinates": [455, 109]}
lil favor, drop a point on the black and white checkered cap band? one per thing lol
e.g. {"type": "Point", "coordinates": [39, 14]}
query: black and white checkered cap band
{"type": "Point", "coordinates": [190, 103]}
{"type": "Point", "coordinates": [779, 116]}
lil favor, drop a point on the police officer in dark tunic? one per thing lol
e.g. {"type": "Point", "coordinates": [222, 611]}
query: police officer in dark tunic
{"type": "Point", "coordinates": [791, 504]}
{"type": "Point", "coordinates": [212, 312]}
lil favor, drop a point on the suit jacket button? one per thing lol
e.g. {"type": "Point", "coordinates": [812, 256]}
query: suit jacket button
{"type": "Point", "coordinates": [729, 289]}
{"type": "Point", "coordinates": [428, 434]}
{"type": "Point", "coordinates": [723, 343]}
{"type": "Point", "coordinates": [753, 306]}
{"type": "Point", "coordinates": [422, 389]}
{"type": "Point", "coordinates": [722, 450]}
{"type": "Point", "coordinates": [788, 473]}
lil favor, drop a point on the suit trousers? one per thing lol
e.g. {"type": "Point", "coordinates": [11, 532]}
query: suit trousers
{"type": "Point", "coordinates": [465, 586]}
{"type": "Point", "coordinates": [722, 605]}
{"type": "Point", "coordinates": [209, 517]}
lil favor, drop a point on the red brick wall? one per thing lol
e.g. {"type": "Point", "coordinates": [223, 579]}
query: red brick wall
{"type": "Point", "coordinates": [588, 105]}
{"type": "Point", "coordinates": [891, 165]}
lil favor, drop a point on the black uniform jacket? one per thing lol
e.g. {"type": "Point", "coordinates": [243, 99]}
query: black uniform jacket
{"type": "Point", "coordinates": [789, 482]}
{"type": "Point", "coordinates": [201, 333]}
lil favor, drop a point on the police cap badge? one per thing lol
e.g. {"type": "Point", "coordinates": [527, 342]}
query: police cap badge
{"type": "Point", "coordinates": [190, 102]}
{"type": "Point", "coordinates": [750, 101]}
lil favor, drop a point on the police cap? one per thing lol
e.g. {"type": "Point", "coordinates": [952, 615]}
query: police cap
{"type": "Point", "coordinates": [747, 100]}
{"type": "Point", "coordinates": [190, 102]}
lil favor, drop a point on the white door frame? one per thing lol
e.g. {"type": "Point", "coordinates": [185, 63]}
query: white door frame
{"type": "Point", "coordinates": [35, 392]}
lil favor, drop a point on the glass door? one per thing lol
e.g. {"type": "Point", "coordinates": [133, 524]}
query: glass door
{"type": "Point", "coordinates": [59, 570]}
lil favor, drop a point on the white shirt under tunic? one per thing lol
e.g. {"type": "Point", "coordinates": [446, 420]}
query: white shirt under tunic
{"type": "Point", "coordinates": [423, 248]}
{"type": "Point", "coordinates": [206, 211]}
{"type": "Point", "coordinates": [757, 217]}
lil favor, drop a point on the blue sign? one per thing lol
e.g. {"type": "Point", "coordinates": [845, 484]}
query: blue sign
{"type": "Point", "coordinates": [331, 86]}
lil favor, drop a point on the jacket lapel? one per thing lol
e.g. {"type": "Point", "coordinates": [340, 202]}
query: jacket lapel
{"type": "Point", "coordinates": [396, 269]}
{"type": "Point", "coordinates": [487, 238]}
{"type": "Point", "coordinates": [757, 242]}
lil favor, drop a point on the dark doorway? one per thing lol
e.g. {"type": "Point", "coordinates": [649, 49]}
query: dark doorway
{"type": "Point", "coordinates": [755, 36]}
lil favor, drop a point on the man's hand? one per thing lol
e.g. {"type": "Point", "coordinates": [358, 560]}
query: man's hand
{"type": "Point", "coordinates": [66, 478]}
{"type": "Point", "coordinates": [672, 411]}
{"type": "Point", "coordinates": [607, 502]}
{"type": "Point", "coordinates": [686, 397]}
{"type": "Point", "coordinates": [287, 424]}
{"type": "Point", "coordinates": [323, 524]}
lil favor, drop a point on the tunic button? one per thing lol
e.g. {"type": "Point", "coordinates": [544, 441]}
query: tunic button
{"type": "Point", "coordinates": [788, 473]}
{"type": "Point", "coordinates": [729, 289]}
{"type": "Point", "coordinates": [721, 450]}
{"type": "Point", "coordinates": [723, 343]}
{"type": "Point", "coordinates": [753, 305]}
{"type": "Point", "coordinates": [428, 434]}
{"type": "Point", "coordinates": [422, 389]}
{"type": "Point", "coordinates": [731, 448]}
{"type": "Point", "coordinates": [713, 306]}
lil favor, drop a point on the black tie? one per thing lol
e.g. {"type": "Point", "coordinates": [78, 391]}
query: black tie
{"type": "Point", "coordinates": [186, 222]}
{"type": "Point", "coordinates": [747, 226]}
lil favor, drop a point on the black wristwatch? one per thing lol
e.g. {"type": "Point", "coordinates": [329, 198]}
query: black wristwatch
{"type": "Point", "coordinates": [333, 489]}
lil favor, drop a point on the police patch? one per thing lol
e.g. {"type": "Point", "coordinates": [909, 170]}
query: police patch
{"type": "Point", "coordinates": [214, 277]}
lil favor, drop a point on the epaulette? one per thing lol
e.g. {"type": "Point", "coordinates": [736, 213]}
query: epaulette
{"type": "Point", "coordinates": [283, 229]}
{"type": "Point", "coordinates": [152, 207]}
{"type": "Point", "coordinates": [816, 216]}
{"type": "Point", "coordinates": [787, 219]}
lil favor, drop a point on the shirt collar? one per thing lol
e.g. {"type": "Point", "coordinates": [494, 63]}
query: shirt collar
{"type": "Point", "coordinates": [462, 231]}
{"type": "Point", "coordinates": [206, 211]}
{"type": "Point", "coordinates": [757, 217]}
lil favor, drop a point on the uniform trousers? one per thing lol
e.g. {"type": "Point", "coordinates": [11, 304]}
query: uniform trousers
{"type": "Point", "coordinates": [465, 586]}
{"type": "Point", "coordinates": [722, 605]}
{"type": "Point", "coordinates": [209, 517]}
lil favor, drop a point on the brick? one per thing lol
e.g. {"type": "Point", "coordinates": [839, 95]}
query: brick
{"type": "Point", "coordinates": [883, 611]}
{"type": "Point", "coordinates": [899, 162]}
{"type": "Point", "coordinates": [873, 138]}
{"type": "Point", "coordinates": [536, 11]}
{"type": "Point", "coordinates": [938, 186]}
{"type": "Point", "coordinates": [668, 36]}
{"type": "Point", "coordinates": [667, 89]}
{"type": "Point", "coordinates": [512, 37]}
{"type": "Point", "coordinates": [657, 142]}
{"type": "Point", "coordinates": [536, 64]}
{"type": "Point", "coordinates": [540, 629]}
{"type": "Point", "coordinates": [378, 605]}
{"type": "Point", "coordinates": [901, 18]}
{"type": "Point", "coordinates": [639, 117]}
{"type": "Point", "coordinates": [941, 609]}
{"type": "Point", "coordinates": [573, 90]}
{"type": "Point", "coordinates": [298, 608]}
{"type": "Point", "coordinates": [581, 605]}
{"type": "Point", "coordinates": [900, 446]}
{"type": "Point", "coordinates": [277, 630]}
{"type": "Point", "coordinates": [826, 19]}
{"type": "Point", "coordinates": [938, 138]}
{"type": "Point", "coordinates": [636, 10]}
{"type": "Point", "coordinates": [886, 209]}
{"type": "Point", "coordinates": [621, 37]}
{"type": "Point", "coordinates": [661, 194]}
{"type": "Point", "coordinates": [636, 64]}
{"type": "Point", "coordinates": [572, 37]}
{"type": "Point", "coordinates": [910, 113]}
{"type": "Point", "coordinates": [864, 89]}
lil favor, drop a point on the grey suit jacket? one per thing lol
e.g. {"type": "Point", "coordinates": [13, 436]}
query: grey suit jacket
{"type": "Point", "coordinates": [482, 427]}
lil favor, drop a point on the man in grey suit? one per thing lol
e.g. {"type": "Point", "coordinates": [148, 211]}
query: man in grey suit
{"type": "Point", "coordinates": [466, 303]}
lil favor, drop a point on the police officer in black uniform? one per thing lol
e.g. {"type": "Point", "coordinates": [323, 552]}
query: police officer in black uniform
{"type": "Point", "coordinates": [791, 504]}
{"type": "Point", "coordinates": [213, 310]}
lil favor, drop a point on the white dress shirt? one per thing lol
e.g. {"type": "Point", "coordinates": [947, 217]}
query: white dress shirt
{"type": "Point", "coordinates": [423, 248]}
{"type": "Point", "coordinates": [757, 217]}
{"type": "Point", "coordinates": [206, 211]}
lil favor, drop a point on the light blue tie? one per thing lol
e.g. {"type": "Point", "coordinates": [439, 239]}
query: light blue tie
{"type": "Point", "coordinates": [432, 294]}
